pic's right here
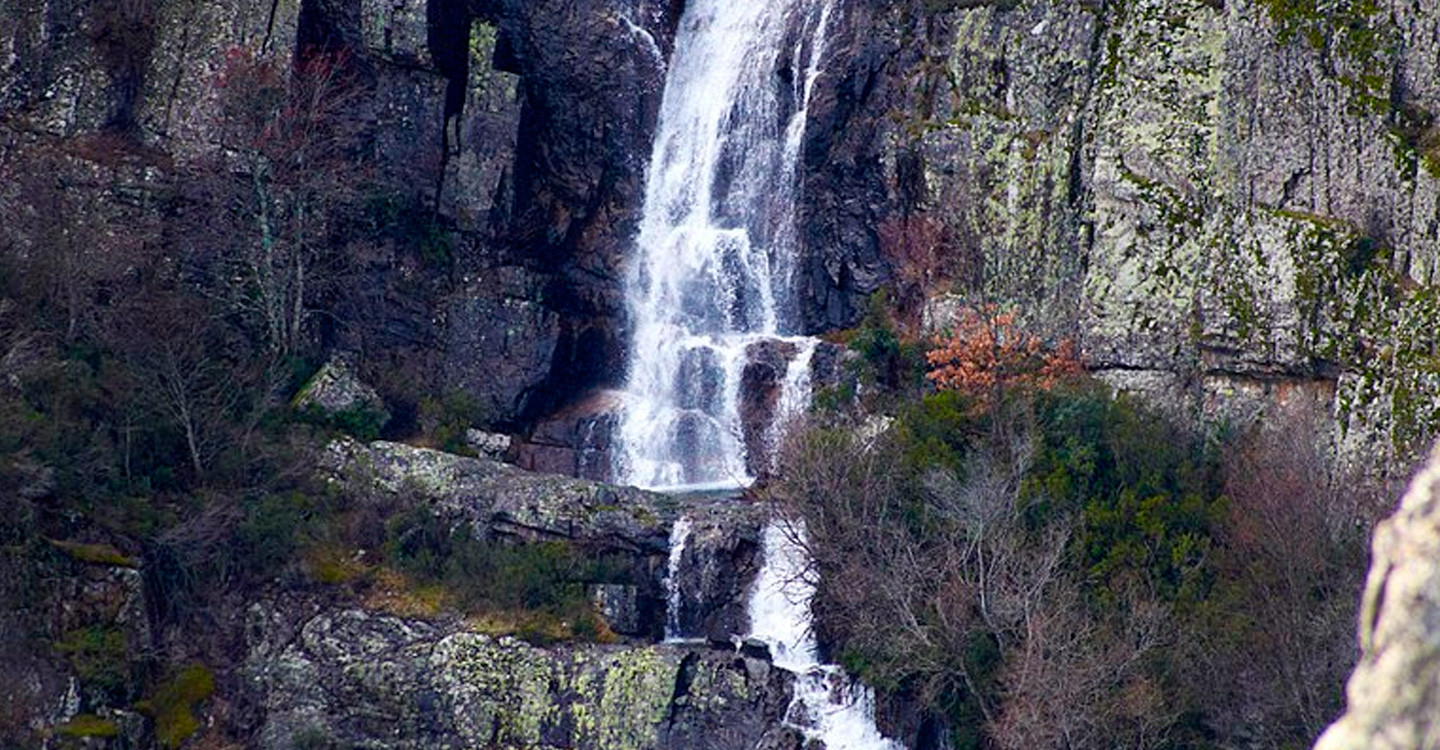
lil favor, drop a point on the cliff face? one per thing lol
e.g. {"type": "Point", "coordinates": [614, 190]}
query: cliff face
{"type": "Point", "coordinates": [1229, 204]}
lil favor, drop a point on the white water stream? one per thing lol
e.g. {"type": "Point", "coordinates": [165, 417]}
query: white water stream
{"type": "Point", "coordinates": [712, 280]}
{"type": "Point", "coordinates": [827, 704]}
{"type": "Point", "coordinates": [713, 274]}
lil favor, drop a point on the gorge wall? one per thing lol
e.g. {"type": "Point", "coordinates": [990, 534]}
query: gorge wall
{"type": "Point", "coordinates": [1227, 204]}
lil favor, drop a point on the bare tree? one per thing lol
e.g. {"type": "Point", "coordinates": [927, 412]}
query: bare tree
{"type": "Point", "coordinates": [261, 213]}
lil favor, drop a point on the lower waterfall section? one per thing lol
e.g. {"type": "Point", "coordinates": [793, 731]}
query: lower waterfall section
{"type": "Point", "coordinates": [828, 705]}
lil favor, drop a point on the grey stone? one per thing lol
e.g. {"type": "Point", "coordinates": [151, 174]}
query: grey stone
{"type": "Point", "coordinates": [620, 606]}
{"type": "Point", "coordinates": [352, 678]}
{"type": "Point", "coordinates": [1394, 693]}
{"type": "Point", "coordinates": [488, 444]}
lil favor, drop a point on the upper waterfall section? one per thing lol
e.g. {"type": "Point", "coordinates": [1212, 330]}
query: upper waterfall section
{"type": "Point", "coordinates": [711, 285]}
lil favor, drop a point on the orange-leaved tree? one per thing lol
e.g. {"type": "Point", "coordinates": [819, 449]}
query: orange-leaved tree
{"type": "Point", "coordinates": [988, 353]}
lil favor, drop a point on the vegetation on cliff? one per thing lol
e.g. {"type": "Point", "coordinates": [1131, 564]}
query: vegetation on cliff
{"type": "Point", "coordinates": [1045, 563]}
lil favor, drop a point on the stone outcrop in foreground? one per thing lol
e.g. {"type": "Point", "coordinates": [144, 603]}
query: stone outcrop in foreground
{"type": "Point", "coordinates": [1394, 694]}
{"type": "Point", "coordinates": [352, 679]}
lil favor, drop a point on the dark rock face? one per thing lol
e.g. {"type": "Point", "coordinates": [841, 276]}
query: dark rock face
{"type": "Point", "coordinates": [717, 568]}
{"type": "Point", "coordinates": [347, 678]}
{"type": "Point", "coordinates": [591, 84]}
{"type": "Point", "coordinates": [844, 191]}
{"type": "Point", "coordinates": [500, 341]}
{"type": "Point", "coordinates": [575, 441]}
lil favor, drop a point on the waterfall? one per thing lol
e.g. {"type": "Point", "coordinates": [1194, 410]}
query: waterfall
{"type": "Point", "coordinates": [713, 271]}
{"type": "Point", "coordinates": [679, 535]}
{"type": "Point", "coordinates": [711, 280]}
{"type": "Point", "coordinates": [827, 704]}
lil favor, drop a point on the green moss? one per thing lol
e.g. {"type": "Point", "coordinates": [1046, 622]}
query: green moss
{"type": "Point", "coordinates": [98, 655]}
{"type": "Point", "coordinates": [174, 703]}
{"type": "Point", "coordinates": [1353, 29]}
{"type": "Point", "coordinates": [89, 725]}
{"type": "Point", "coordinates": [97, 554]}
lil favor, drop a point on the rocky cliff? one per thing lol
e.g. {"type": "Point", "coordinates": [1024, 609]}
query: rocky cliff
{"type": "Point", "coordinates": [1229, 204]}
{"type": "Point", "coordinates": [351, 679]}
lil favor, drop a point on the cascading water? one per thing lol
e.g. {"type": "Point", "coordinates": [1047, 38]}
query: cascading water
{"type": "Point", "coordinates": [711, 282]}
{"type": "Point", "coordinates": [679, 535]}
{"type": "Point", "coordinates": [827, 705]}
{"type": "Point", "coordinates": [713, 271]}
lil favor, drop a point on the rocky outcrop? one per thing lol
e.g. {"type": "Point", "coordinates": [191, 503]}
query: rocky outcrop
{"type": "Point", "coordinates": [337, 390]}
{"type": "Point", "coordinates": [501, 498]}
{"type": "Point", "coordinates": [70, 614]}
{"type": "Point", "coordinates": [348, 678]}
{"type": "Point", "coordinates": [1394, 694]}
{"type": "Point", "coordinates": [716, 569]}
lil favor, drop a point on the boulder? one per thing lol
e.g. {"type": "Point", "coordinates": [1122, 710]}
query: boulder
{"type": "Point", "coordinates": [500, 498]}
{"type": "Point", "coordinates": [336, 389]}
{"type": "Point", "coordinates": [488, 444]}
{"type": "Point", "coordinates": [1394, 693]}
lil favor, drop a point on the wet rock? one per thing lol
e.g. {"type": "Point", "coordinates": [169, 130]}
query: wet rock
{"type": "Point", "coordinates": [1394, 693]}
{"type": "Point", "coordinates": [351, 678]}
{"type": "Point", "coordinates": [717, 568]}
{"type": "Point", "coordinates": [766, 363]}
{"type": "Point", "coordinates": [577, 441]}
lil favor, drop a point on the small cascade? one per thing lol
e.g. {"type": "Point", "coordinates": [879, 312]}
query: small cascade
{"type": "Point", "coordinates": [794, 398]}
{"type": "Point", "coordinates": [679, 535]}
{"type": "Point", "coordinates": [827, 705]}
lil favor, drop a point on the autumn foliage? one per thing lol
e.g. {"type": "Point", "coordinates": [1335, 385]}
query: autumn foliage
{"type": "Point", "coordinates": [988, 353]}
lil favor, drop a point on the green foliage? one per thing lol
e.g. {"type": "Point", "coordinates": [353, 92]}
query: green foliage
{"type": "Point", "coordinates": [89, 725]}
{"type": "Point", "coordinates": [887, 359]}
{"type": "Point", "coordinates": [99, 657]}
{"type": "Point", "coordinates": [406, 219]}
{"type": "Point", "coordinates": [272, 528]}
{"type": "Point", "coordinates": [97, 554]}
{"type": "Point", "coordinates": [174, 703]}
{"type": "Point", "coordinates": [361, 422]}
{"type": "Point", "coordinates": [445, 420]}
{"type": "Point", "coordinates": [490, 576]}
{"type": "Point", "coordinates": [938, 429]}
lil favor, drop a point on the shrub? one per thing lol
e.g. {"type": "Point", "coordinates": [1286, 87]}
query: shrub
{"type": "Point", "coordinates": [99, 656]}
{"type": "Point", "coordinates": [534, 586]}
{"type": "Point", "coordinates": [989, 354]}
{"type": "Point", "coordinates": [174, 702]}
